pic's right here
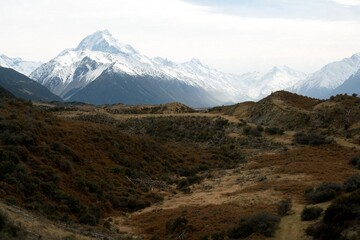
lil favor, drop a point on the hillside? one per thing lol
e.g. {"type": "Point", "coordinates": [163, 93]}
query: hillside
{"type": "Point", "coordinates": [338, 116]}
{"type": "Point", "coordinates": [24, 87]}
{"type": "Point", "coordinates": [164, 171]}
{"type": "Point", "coordinates": [5, 94]}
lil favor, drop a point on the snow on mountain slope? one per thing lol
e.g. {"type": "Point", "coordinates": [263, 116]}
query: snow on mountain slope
{"type": "Point", "coordinates": [321, 83]}
{"type": "Point", "coordinates": [73, 69]}
{"type": "Point", "coordinates": [278, 78]}
{"type": "Point", "coordinates": [350, 86]}
{"type": "Point", "coordinates": [19, 65]}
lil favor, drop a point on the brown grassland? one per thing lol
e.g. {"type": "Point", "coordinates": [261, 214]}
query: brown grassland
{"type": "Point", "coordinates": [170, 172]}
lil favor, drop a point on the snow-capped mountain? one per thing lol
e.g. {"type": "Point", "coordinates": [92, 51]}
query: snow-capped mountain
{"type": "Point", "coordinates": [350, 86]}
{"type": "Point", "coordinates": [18, 64]}
{"type": "Point", "coordinates": [278, 78]}
{"type": "Point", "coordinates": [75, 72]}
{"type": "Point", "coordinates": [73, 69]}
{"type": "Point", "coordinates": [321, 83]}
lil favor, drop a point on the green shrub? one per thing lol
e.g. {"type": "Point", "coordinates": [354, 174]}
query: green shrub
{"type": "Point", "coordinates": [355, 161]}
{"type": "Point", "coordinates": [323, 193]}
{"type": "Point", "coordinates": [312, 139]}
{"type": "Point", "coordinates": [263, 223]}
{"type": "Point", "coordinates": [274, 131]}
{"type": "Point", "coordinates": [260, 128]}
{"type": "Point", "coordinates": [134, 204]}
{"type": "Point", "coordinates": [9, 230]}
{"type": "Point", "coordinates": [352, 183]}
{"type": "Point", "coordinates": [90, 216]}
{"type": "Point", "coordinates": [284, 206]}
{"type": "Point", "coordinates": [311, 213]}
{"type": "Point", "coordinates": [340, 217]}
{"type": "Point", "coordinates": [176, 225]}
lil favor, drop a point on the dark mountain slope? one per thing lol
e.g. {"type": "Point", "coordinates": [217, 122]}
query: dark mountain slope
{"type": "Point", "coordinates": [111, 87]}
{"type": "Point", "coordinates": [23, 87]}
{"type": "Point", "coordinates": [350, 86]}
{"type": "Point", "coordinates": [5, 93]}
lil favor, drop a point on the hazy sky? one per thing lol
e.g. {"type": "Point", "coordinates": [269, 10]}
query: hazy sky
{"type": "Point", "coordinates": [231, 35]}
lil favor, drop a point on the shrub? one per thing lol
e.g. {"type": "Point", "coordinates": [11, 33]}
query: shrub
{"type": "Point", "coordinates": [355, 161]}
{"type": "Point", "coordinates": [134, 204]}
{"type": "Point", "coordinates": [274, 131]}
{"type": "Point", "coordinates": [3, 220]}
{"type": "Point", "coordinates": [340, 217]}
{"type": "Point", "coordinates": [323, 193]}
{"type": "Point", "coordinates": [284, 206]}
{"type": "Point", "coordinates": [176, 225]}
{"type": "Point", "coordinates": [312, 139]}
{"type": "Point", "coordinates": [311, 213]}
{"type": "Point", "coordinates": [352, 183]}
{"type": "Point", "coordinates": [260, 128]}
{"type": "Point", "coordinates": [252, 131]}
{"type": "Point", "coordinates": [10, 231]}
{"type": "Point", "coordinates": [90, 216]}
{"type": "Point", "coordinates": [263, 223]}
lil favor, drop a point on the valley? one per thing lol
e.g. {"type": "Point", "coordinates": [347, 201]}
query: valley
{"type": "Point", "coordinates": [180, 120]}
{"type": "Point", "coordinates": [169, 171]}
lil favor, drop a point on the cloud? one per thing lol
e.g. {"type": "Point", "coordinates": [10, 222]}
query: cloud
{"type": "Point", "coordinates": [294, 9]}
{"type": "Point", "coordinates": [348, 2]}
{"type": "Point", "coordinates": [181, 30]}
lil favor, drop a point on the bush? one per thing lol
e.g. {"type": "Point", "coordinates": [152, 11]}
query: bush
{"type": "Point", "coordinates": [355, 161]}
{"type": "Point", "coordinates": [90, 216]}
{"type": "Point", "coordinates": [252, 131]}
{"type": "Point", "coordinates": [263, 223]}
{"type": "Point", "coordinates": [260, 128]}
{"type": "Point", "coordinates": [274, 131]}
{"type": "Point", "coordinates": [284, 206]}
{"type": "Point", "coordinates": [352, 183]}
{"type": "Point", "coordinates": [340, 217]}
{"type": "Point", "coordinates": [311, 213]}
{"type": "Point", "coordinates": [176, 225]}
{"type": "Point", "coordinates": [312, 139]}
{"type": "Point", "coordinates": [8, 230]}
{"type": "Point", "coordinates": [323, 193]}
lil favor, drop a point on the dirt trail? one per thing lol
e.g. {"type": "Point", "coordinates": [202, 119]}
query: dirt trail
{"type": "Point", "coordinates": [343, 142]}
{"type": "Point", "coordinates": [291, 226]}
{"type": "Point", "coordinates": [40, 228]}
{"type": "Point", "coordinates": [226, 187]}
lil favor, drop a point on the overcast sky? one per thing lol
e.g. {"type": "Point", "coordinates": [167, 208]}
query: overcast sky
{"type": "Point", "coordinates": [231, 35]}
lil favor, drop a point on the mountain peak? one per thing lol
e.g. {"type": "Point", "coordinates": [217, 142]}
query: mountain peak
{"type": "Point", "coordinates": [103, 41]}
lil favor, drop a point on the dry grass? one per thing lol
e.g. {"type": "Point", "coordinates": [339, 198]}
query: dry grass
{"type": "Point", "coordinates": [309, 166]}
{"type": "Point", "coordinates": [202, 220]}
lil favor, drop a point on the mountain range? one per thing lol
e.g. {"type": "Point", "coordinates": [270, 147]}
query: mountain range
{"type": "Point", "coordinates": [18, 64]}
{"type": "Point", "coordinates": [101, 70]}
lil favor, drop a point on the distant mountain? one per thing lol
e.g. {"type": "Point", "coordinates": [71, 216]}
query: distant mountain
{"type": "Point", "coordinates": [278, 78]}
{"type": "Point", "coordinates": [22, 66]}
{"type": "Point", "coordinates": [321, 83]}
{"type": "Point", "coordinates": [113, 87]}
{"type": "Point", "coordinates": [102, 70]}
{"type": "Point", "coordinates": [130, 76]}
{"type": "Point", "coordinates": [23, 87]}
{"type": "Point", "coordinates": [350, 86]}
